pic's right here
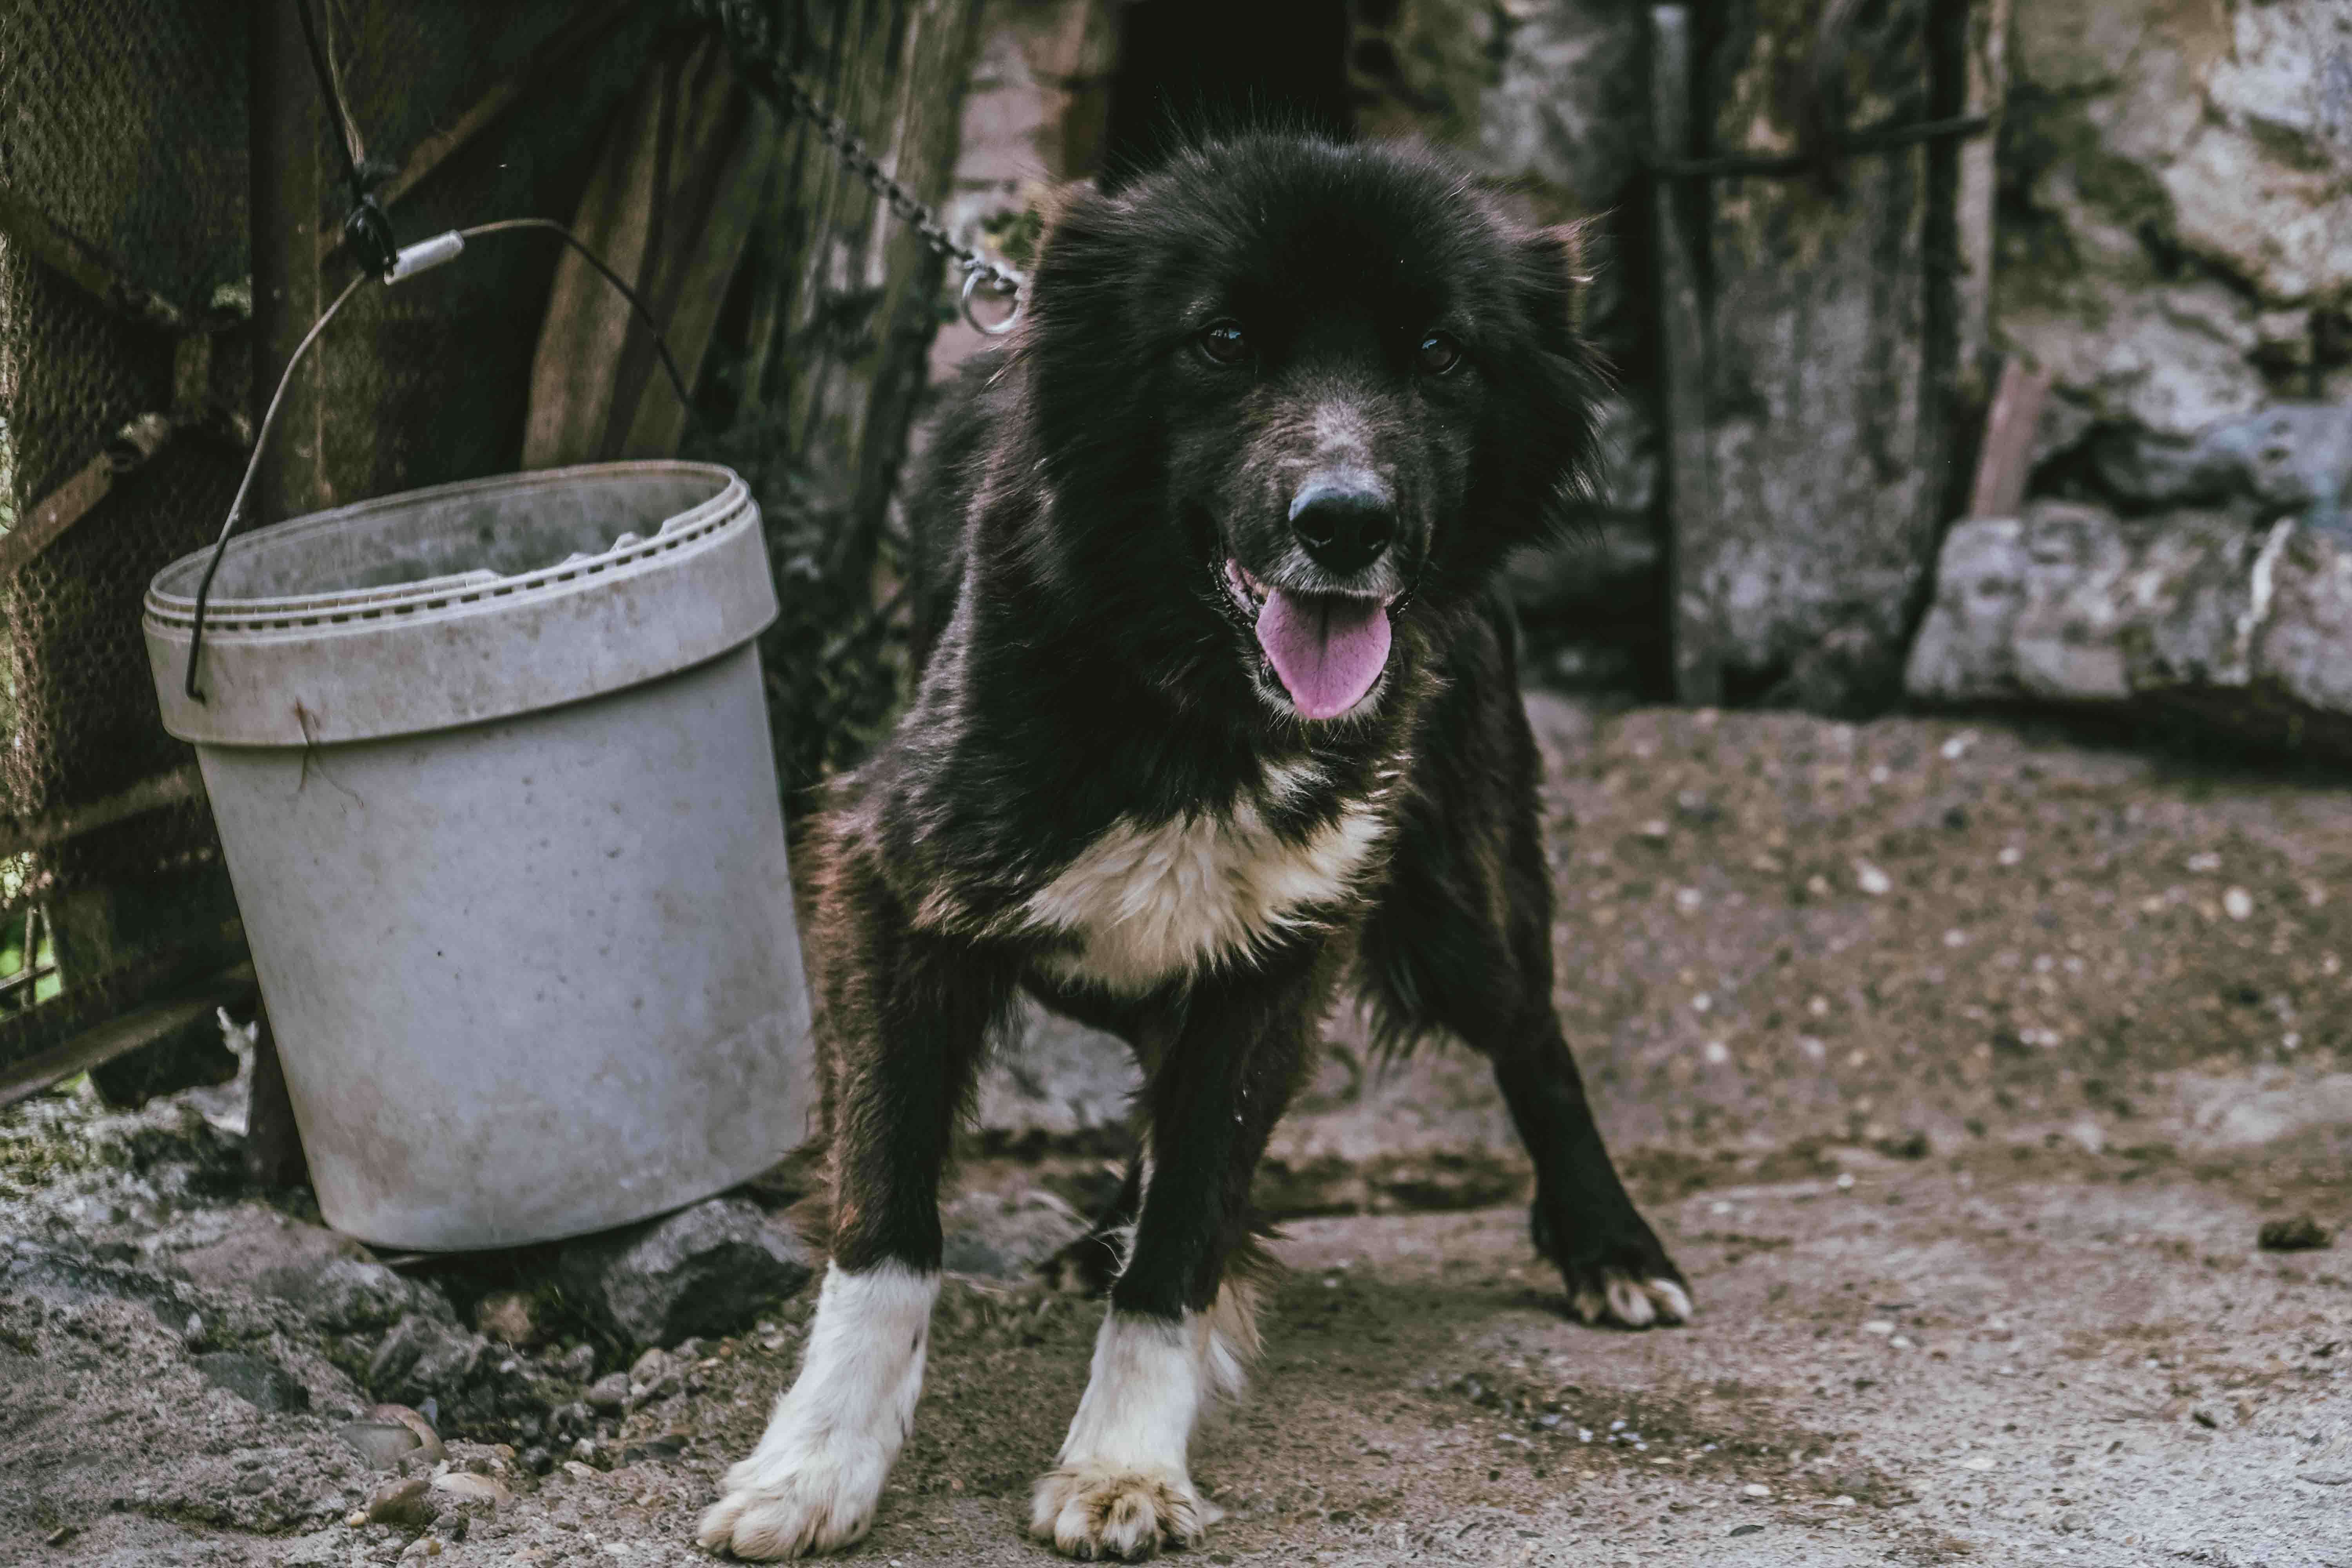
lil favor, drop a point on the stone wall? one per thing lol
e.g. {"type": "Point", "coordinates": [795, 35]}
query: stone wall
{"type": "Point", "coordinates": [2176, 256]}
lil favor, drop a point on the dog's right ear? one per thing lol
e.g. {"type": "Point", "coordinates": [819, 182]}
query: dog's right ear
{"type": "Point", "coordinates": [1561, 252]}
{"type": "Point", "coordinates": [1081, 222]}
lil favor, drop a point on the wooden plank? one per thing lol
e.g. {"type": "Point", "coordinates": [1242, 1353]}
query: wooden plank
{"type": "Point", "coordinates": [1698, 671]}
{"type": "Point", "coordinates": [2004, 457]}
{"type": "Point", "coordinates": [66, 505]}
{"type": "Point", "coordinates": [18, 834]}
{"type": "Point", "coordinates": [88, 266]}
{"type": "Point", "coordinates": [488, 110]}
{"type": "Point", "coordinates": [101, 991]}
{"type": "Point", "coordinates": [122, 1035]}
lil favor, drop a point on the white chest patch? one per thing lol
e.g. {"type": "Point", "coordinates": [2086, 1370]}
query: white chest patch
{"type": "Point", "coordinates": [1147, 904]}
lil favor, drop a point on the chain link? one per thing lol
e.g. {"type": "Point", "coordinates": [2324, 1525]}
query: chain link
{"type": "Point", "coordinates": [745, 27]}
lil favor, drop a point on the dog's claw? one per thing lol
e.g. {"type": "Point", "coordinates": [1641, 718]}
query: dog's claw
{"type": "Point", "coordinates": [1620, 1298]}
{"type": "Point", "coordinates": [768, 1512]}
{"type": "Point", "coordinates": [1092, 1512]}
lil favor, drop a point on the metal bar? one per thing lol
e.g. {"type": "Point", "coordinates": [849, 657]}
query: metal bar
{"type": "Point", "coordinates": [58, 511]}
{"type": "Point", "coordinates": [92, 268]}
{"type": "Point", "coordinates": [1779, 165]}
{"type": "Point", "coordinates": [22, 833]}
{"type": "Point", "coordinates": [486, 111]}
{"type": "Point", "coordinates": [121, 1035]}
{"type": "Point", "coordinates": [1690, 505]}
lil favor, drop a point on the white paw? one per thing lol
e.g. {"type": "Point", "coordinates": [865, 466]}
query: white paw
{"type": "Point", "coordinates": [789, 1506]}
{"type": "Point", "coordinates": [1100, 1511]}
{"type": "Point", "coordinates": [1633, 1303]}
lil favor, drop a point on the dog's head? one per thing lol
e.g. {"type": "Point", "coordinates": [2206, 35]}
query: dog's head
{"type": "Point", "coordinates": [1311, 393]}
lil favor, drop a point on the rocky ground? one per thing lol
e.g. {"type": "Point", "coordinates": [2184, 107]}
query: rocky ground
{"type": "Point", "coordinates": [1962, 1064]}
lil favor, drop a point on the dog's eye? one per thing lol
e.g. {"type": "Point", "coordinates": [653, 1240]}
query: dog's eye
{"type": "Point", "coordinates": [1223, 342]}
{"type": "Point", "coordinates": [1438, 353]}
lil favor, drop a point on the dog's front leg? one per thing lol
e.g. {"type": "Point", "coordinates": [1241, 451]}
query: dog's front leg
{"type": "Point", "coordinates": [1180, 1327]}
{"type": "Point", "coordinates": [901, 1017]}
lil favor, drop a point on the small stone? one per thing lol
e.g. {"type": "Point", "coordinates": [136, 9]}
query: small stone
{"type": "Point", "coordinates": [1755, 1490]}
{"type": "Point", "coordinates": [406, 1505]}
{"type": "Point", "coordinates": [585, 1449]}
{"type": "Point", "coordinates": [1871, 880]}
{"type": "Point", "coordinates": [1841, 1500]}
{"type": "Point", "coordinates": [381, 1444]}
{"type": "Point", "coordinates": [666, 1445]}
{"type": "Point", "coordinates": [651, 1366]}
{"type": "Point", "coordinates": [2300, 1234]}
{"type": "Point", "coordinates": [536, 1459]}
{"type": "Point", "coordinates": [61, 1535]}
{"type": "Point", "coordinates": [2238, 904]}
{"type": "Point", "coordinates": [610, 1392]}
{"type": "Point", "coordinates": [508, 1316]}
{"type": "Point", "coordinates": [707, 1269]}
{"type": "Point", "coordinates": [578, 1364]}
{"type": "Point", "coordinates": [578, 1472]}
{"type": "Point", "coordinates": [1747, 1530]}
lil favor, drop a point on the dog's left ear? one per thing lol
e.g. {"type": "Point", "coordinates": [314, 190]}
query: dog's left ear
{"type": "Point", "coordinates": [1559, 254]}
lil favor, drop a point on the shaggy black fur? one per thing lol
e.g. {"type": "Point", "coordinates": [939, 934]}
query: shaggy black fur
{"type": "Point", "coordinates": [1089, 658]}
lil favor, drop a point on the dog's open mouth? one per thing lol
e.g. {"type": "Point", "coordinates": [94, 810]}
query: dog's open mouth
{"type": "Point", "coordinates": [1327, 650]}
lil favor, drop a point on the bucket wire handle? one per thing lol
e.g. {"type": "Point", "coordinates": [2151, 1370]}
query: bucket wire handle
{"type": "Point", "coordinates": [406, 263]}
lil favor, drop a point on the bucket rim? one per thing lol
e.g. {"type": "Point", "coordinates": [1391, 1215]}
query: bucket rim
{"type": "Point", "coordinates": [175, 612]}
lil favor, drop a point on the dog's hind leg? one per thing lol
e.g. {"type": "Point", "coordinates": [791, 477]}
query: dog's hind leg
{"type": "Point", "coordinates": [1462, 940]}
{"type": "Point", "coordinates": [1182, 1323]}
{"type": "Point", "coordinates": [902, 1017]}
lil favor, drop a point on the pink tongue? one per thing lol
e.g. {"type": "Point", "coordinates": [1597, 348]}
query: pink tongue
{"type": "Point", "coordinates": [1329, 650]}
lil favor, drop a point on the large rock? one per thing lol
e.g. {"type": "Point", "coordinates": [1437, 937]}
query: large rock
{"type": "Point", "coordinates": [2291, 457]}
{"type": "Point", "coordinates": [707, 1269]}
{"type": "Point", "coordinates": [2177, 208]}
{"type": "Point", "coordinates": [2249, 629]}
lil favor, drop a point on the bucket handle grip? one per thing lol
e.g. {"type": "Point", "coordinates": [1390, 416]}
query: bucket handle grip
{"type": "Point", "coordinates": [422, 256]}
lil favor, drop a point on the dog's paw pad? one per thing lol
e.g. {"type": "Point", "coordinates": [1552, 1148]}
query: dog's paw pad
{"type": "Point", "coordinates": [789, 1513]}
{"type": "Point", "coordinates": [1095, 1511]}
{"type": "Point", "coordinates": [1619, 1297]}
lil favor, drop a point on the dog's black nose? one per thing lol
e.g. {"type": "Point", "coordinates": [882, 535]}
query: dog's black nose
{"type": "Point", "coordinates": [1344, 521]}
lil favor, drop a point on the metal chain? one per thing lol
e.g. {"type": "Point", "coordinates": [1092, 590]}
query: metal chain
{"type": "Point", "coordinates": [744, 25]}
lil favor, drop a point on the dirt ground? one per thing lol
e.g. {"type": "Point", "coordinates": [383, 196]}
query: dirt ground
{"type": "Point", "coordinates": [1959, 1062]}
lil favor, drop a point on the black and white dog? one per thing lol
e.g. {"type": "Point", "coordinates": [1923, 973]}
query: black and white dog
{"type": "Point", "coordinates": [1216, 712]}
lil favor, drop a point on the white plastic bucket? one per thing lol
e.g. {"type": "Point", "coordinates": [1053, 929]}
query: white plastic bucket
{"type": "Point", "coordinates": [491, 769]}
